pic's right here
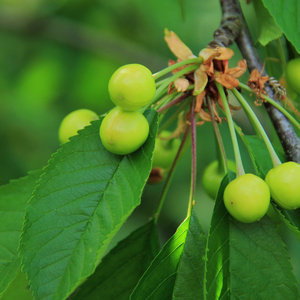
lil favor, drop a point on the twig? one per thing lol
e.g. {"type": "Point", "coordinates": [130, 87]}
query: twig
{"type": "Point", "coordinates": [233, 27]}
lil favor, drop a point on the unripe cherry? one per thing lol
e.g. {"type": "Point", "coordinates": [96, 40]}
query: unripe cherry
{"type": "Point", "coordinates": [284, 184]}
{"type": "Point", "coordinates": [247, 198]}
{"type": "Point", "coordinates": [123, 132]}
{"type": "Point", "coordinates": [212, 177]}
{"type": "Point", "coordinates": [75, 121]}
{"type": "Point", "coordinates": [132, 87]}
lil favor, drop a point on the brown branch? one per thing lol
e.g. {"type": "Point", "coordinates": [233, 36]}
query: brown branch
{"type": "Point", "coordinates": [233, 27]}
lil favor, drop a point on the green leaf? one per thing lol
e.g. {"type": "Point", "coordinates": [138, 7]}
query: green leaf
{"type": "Point", "coordinates": [13, 200]}
{"type": "Point", "coordinates": [82, 199]}
{"type": "Point", "coordinates": [217, 275]}
{"type": "Point", "coordinates": [259, 264]}
{"type": "Point", "coordinates": [291, 219]}
{"type": "Point", "coordinates": [177, 271]}
{"type": "Point", "coordinates": [122, 267]}
{"type": "Point", "coordinates": [268, 29]}
{"type": "Point", "coordinates": [246, 260]}
{"type": "Point", "coordinates": [258, 153]}
{"type": "Point", "coordinates": [18, 289]}
{"type": "Point", "coordinates": [189, 283]}
{"type": "Point", "coordinates": [286, 15]}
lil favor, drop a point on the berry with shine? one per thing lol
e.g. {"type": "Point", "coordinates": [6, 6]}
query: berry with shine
{"type": "Point", "coordinates": [123, 132]}
{"type": "Point", "coordinates": [132, 87]}
{"type": "Point", "coordinates": [284, 184]}
{"type": "Point", "coordinates": [73, 122]}
{"type": "Point", "coordinates": [247, 198]}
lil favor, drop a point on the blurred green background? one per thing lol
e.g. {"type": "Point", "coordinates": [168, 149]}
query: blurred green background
{"type": "Point", "coordinates": [57, 56]}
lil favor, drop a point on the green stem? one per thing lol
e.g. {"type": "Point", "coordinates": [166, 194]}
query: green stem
{"type": "Point", "coordinates": [159, 83]}
{"type": "Point", "coordinates": [194, 160]}
{"type": "Point", "coordinates": [166, 99]}
{"type": "Point", "coordinates": [256, 124]}
{"type": "Point", "coordinates": [196, 60]}
{"type": "Point", "coordinates": [161, 90]}
{"type": "Point", "coordinates": [169, 177]}
{"type": "Point", "coordinates": [173, 117]}
{"type": "Point", "coordinates": [281, 55]}
{"type": "Point", "coordinates": [237, 155]}
{"type": "Point", "coordinates": [274, 103]}
{"type": "Point", "coordinates": [222, 167]}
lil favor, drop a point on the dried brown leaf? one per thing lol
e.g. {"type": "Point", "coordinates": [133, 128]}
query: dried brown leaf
{"type": "Point", "coordinates": [199, 101]}
{"type": "Point", "coordinates": [175, 44]}
{"type": "Point", "coordinates": [225, 53]}
{"type": "Point", "coordinates": [201, 80]}
{"type": "Point", "coordinates": [239, 70]}
{"type": "Point", "coordinates": [227, 81]}
{"type": "Point", "coordinates": [181, 84]}
{"type": "Point", "coordinates": [208, 54]}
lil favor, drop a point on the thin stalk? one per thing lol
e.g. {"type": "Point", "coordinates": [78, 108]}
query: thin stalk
{"type": "Point", "coordinates": [275, 104]}
{"type": "Point", "coordinates": [158, 83]}
{"type": "Point", "coordinates": [165, 100]}
{"type": "Point", "coordinates": [237, 155]}
{"type": "Point", "coordinates": [256, 124]}
{"type": "Point", "coordinates": [173, 117]}
{"type": "Point", "coordinates": [281, 55]}
{"type": "Point", "coordinates": [169, 177]}
{"type": "Point", "coordinates": [196, 60]}
{"type": "Point", "coordinates": [174, 101]}
{"type": "Point", "coordinates": [194, 159]}
{"type": "Point", "coordinates": [160, 90]}
{"type": "Point", "coordinates": [220, 146]}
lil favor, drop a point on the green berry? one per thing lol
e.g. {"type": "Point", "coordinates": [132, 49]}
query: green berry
{"type": "Point", "coordinates": [293, 74]}
{"type": "Point", "coordinates": [247, 198]}
{"type": "Point", "coordinates": [132, 87]}
{"type": "Point", "coordinates": [284, 184]}
{"type": "Point", "coordinates": [74, 121]}
{"type": "Point", "coordinates": [212, 177]}
{"type": "Point", "coordinates": [123, 132]}
{"type": "Point", "coordinates": [165, 151]}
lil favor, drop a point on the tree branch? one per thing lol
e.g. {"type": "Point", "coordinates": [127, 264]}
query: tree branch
{"type": "Point", "coordinates": [233, 27]}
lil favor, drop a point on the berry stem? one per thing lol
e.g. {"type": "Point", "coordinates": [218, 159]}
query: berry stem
{"type": "Point", "coordinates": [194, 159]}
{"type": "Point", "coordinates": [256, 124]}
{"type": "Point", "coordinates": [161, 90]}
{"type": "Point", "coordinates": [175, 101]}
{"type": "Point", "coordinates": [170, 176]}
{"type": "Point", "coordinates": [275, 104]}
{"type": "Point", "coordinates": [196, 60]}
{"type": "Point", "coordinates": [173, 117]}
{"type": "Point", "coordinates": [159, 83]}
{"type": "Point", "coordinates": [222, 168]}
{"type": "Point", "coordinates": [237, 155]}
{"type": "Point", "coordinates": [165, 100]}
{"type": "Point", "coordinates": [281, 55]}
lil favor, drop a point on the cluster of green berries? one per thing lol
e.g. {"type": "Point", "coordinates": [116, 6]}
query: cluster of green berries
{"type": "Point", "coordinates": [125, 129]}
{"type": "Point", "coordinates": [247, 198]}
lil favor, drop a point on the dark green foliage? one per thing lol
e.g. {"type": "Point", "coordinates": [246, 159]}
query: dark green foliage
{"type": "Point", "coordinates": [122, 267]}
{"type": "Point", "coordinates": [77, 207]}
{"type": "Point", "coordinates": [13, 200]}
{"type": "Point", "coordinates": [177, 271]}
